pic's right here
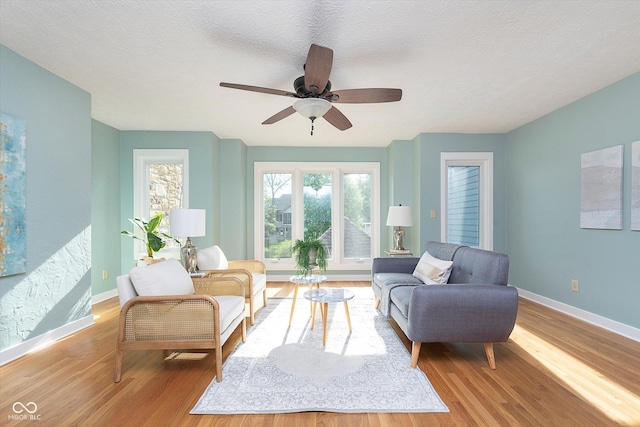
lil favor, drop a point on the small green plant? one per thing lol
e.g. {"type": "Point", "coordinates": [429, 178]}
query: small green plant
{"type": "Point", "coordinates": [153, 239]}
{"type": "Point", "coordinates": [309, 253]}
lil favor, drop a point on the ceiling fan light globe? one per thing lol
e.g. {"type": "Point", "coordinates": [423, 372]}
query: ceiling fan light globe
{"type": "Point", "coordinates": [312, 107]}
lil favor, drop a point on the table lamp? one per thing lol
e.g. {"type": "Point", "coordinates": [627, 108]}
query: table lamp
{"type": "Point", "coordinates": [398, 217]}
{"type": "Point", "coordinates": [188, 223]}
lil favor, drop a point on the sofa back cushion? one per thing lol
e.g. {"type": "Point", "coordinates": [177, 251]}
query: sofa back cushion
{"type": "Point", "coordinates": [478, 266]}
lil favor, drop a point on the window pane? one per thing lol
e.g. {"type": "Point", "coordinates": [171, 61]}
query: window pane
{"type": "Point", "coordinates": [277, 215]}
{"type": "Point", "coordinates": [317, 207]}
{"type": "Point", "coordinates": [357, 215]}
{"type": "Point", "coordinates": [463, 205]}
{"type": "Point", "coordinates": [165, 184]}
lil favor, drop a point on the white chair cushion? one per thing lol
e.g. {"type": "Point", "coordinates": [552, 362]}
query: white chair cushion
{"type": "Point", "coordinates": [126, 291]}
{"type": "Point", "coordinates": [163, 278]}
{"type": "Point", "coordinates": [259, 282]}
{"type": "Point", "coordinates": [231, 306]}
{"type": "Point", "coordinates": [432, 270]}
{"type": "Point", "coordinates": [212, 258]}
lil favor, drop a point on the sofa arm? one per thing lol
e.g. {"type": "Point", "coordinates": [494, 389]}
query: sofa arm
{"type": "Point", "coordinates": [394, 265]}
{"type": "Point", "coordinates": [462, 313]}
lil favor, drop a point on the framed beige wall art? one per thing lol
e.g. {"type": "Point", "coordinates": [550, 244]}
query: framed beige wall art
{"type": "Point", "coordinates": [601, 188]}
{"type": "Point", "coordinates": [635, 186]}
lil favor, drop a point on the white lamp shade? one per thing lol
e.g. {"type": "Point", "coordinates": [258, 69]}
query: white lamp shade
{"type": "Point", "coordinates": [187, 222]}
{"type": "Point", "coordinates": [399, 216]}
{"type": "Point", "coordinates": [312, 107]}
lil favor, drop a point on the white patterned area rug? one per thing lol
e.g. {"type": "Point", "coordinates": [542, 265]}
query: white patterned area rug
{"type": "Point", "coordinates": [283, 369]}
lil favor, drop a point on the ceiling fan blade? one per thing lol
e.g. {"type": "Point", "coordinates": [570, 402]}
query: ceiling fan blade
{"type": "Point", "coordinates": [317, 68]}
{"type": "Point", "coordinates": [365, 96]}
{"type": "Point", "coordinates": [279, 116]}
{"type": "Point", "coordinates": [336, 118]}
{"type": "Point", "coordinates": [259, 89]}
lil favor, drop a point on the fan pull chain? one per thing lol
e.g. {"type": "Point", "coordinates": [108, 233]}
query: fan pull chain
{"type": "Point", "coordinates": [312, 119]}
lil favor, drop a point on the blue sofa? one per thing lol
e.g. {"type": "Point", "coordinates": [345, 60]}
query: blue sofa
{"type": "Point", "coordinates": [476, 305]}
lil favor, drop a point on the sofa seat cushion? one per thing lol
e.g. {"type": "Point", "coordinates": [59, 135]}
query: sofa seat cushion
{"type": "Point", "coordinates": [400, 297]}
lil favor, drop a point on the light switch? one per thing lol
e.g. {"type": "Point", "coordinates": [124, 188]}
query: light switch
{"type": "Point", "coordinates": [433, 213]}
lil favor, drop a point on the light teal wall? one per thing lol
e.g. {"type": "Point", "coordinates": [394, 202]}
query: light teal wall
{"type": "Point", "coordinates": [56, 288]}
{"type": "Point", "coordinates": [399, 181]}
{"type": "Point", "coordinates": [203, 179]}
{"type": "Point", "coordinates": [105, 206]}
{"type": "Point", "coordinates": [428, 153]}
{"type": "Point", "coordinates": [233, 199]}
{"type": "Point", "coordinates": [546, 245]}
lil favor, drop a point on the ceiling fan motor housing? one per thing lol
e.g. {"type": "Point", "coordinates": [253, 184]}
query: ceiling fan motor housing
{"type": "Point", "coordinates": [301, 89]}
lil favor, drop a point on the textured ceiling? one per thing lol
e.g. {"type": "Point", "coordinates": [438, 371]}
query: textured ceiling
{"type": "Point", "coordinates": [464, 66]}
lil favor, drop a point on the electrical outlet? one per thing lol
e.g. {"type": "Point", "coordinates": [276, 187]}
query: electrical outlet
{"type": "Point", "coordinates": [105, 274]}
{"type": "Point", "coordinates": [575, 286]}
{"type": "Point", "coordinates": [433, 213]}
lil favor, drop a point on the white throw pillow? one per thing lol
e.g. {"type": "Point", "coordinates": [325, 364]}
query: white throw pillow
{"type": "Point", "coordinates": [212, 258]}
{"type": "Point", "coordinates": [431, 270]}
{"type": "Point", "coordinates": [163, 278]}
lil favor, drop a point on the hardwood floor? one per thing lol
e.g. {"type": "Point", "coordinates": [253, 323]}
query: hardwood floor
{"type": "Point", "coordinates": [554, 371]}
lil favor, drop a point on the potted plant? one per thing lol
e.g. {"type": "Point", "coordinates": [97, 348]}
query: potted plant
{"type": "Point", "coordinates": [309, 254]}
{"type": "Point", "coordinates": [153, 239]}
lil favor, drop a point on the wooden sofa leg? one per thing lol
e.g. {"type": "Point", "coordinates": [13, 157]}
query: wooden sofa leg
{"type": "Point", "coordinates": [415, 352]}
{"type": "Point", "coordinates": [377, 303]}
{"type": "Point", "coordinates": [488, 349]}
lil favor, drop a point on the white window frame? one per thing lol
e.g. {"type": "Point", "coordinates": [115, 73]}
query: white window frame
{"type": "Point", "coordinates": [337, 170]}
{"type": "Point", "coordinates": [141, 159]}
{"type": "Point", "coordinates": [484, 160]}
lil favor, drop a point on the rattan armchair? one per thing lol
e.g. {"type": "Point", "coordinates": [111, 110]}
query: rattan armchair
{"type": "Point", "coordinates": [253, 274]}
{"type": "Point", "coordinates": [199, 322]}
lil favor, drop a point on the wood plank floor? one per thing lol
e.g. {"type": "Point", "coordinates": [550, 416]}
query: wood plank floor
{"type": "Point", "coordinates": [554, 371]}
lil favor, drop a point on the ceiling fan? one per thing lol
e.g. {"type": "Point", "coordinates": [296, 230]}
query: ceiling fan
{"type": "Point", "coordinates": [314, 94]}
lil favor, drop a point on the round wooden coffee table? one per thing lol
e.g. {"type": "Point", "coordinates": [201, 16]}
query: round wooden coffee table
{"type": "Point", "coordinates": [312, 280]}
{"type": "Point", "coordinates": [326, 296]}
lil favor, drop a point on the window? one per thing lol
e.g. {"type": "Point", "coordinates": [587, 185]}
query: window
{"type": "Point", "coordinates": [160, 182]}
{"type": "Point", "coordinates": [467, 199]}
{"type": "Point", "coordinates": [335, 202]}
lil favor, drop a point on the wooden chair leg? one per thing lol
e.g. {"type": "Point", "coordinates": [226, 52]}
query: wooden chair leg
{"type": "Point", "coordinates": [251, 315]}
{"type": "Point", "coordinates": [488, 349]}
{"type": "Point", "coordinates": [415, 352]}
{"type": "Point", "coordinates": [244, 330]}
{"type": "Point", "coordinates": [118, 365]}
{"type": "Point", "coordinates": [264, 297]}
{"type": "Point", "coordinates": [218, 354]}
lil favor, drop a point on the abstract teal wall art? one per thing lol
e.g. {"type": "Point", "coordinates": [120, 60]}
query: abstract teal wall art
{"type": "Point", "coordinates": [13, 239]}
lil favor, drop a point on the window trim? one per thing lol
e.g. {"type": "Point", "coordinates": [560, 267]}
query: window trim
{"type": "Point", "coordinates": [337, 170]}
{"type": "Point", "coordinates": [484, 160]}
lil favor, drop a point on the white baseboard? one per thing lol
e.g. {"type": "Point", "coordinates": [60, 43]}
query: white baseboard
{"type": "Point", "coordinates": [104, 296]}
{"type": "Point", "coordinates": [608, 324]}
{"type": "Point", "coordinates": [12, 353]}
